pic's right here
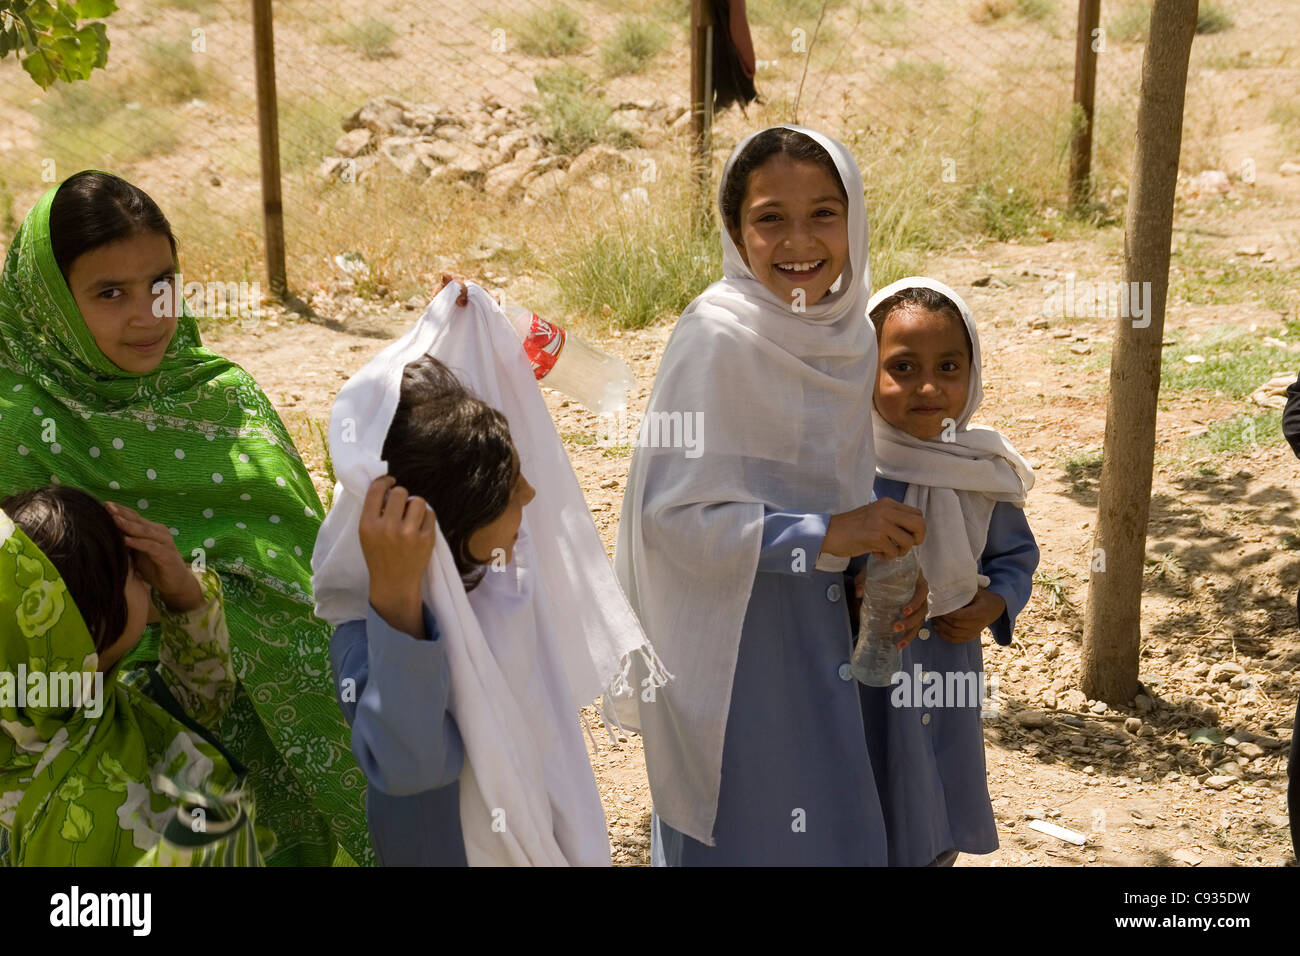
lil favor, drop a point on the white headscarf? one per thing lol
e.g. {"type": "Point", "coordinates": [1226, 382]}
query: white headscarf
{"type": "Point", "coordinates": [782, 398]}
{"type": "Point", "coordinates": [536, 639]}
{"type": "Point", "coordinates": [955, 483]}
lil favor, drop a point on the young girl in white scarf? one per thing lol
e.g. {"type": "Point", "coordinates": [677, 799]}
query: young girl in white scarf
{"type": "Point", "coordinates": [475, 608]}
{"type": "Point", "coordinates": [979, 556]}
{"type": "Point", "coordinates": [733, 551]}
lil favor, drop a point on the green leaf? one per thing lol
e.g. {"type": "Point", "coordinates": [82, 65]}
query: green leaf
{"type": "Point", "coordinates": [76, 825]}
{"type": "Point", "coordinates": [94, 9]}
{"type": "Point", "coordinates": [66, 15]}
{"type": "Point", "coordinates": [39, 69]}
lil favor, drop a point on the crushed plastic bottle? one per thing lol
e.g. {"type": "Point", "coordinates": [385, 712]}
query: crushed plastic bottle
{"type": "Point", "coordinates": [891, 583]}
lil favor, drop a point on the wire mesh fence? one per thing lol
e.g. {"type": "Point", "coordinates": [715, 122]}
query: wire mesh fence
{"type": "Point", "coordinates": [492, 137]}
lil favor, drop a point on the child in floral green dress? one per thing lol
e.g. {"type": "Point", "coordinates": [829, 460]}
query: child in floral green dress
{"type": "Point", "coordinates": [116, 770]}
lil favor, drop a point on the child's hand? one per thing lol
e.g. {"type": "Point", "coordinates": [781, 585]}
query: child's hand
{"type": "Point", "coordinates": [156, 559]}
{"type": "Point", "coordinates": [885, 527]}
{"type": "Point", "coordinates": [448, 279]}
{"type": "Point", "coordinates": [398, 531]}
{"type": "Point", "coordinates": [967, 623]}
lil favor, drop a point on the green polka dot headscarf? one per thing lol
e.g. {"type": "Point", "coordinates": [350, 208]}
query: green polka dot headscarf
{"type": "Point", "coordinates": [197, 446]}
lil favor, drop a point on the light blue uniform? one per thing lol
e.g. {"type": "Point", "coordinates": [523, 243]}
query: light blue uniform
{"type": "Point", "coordinates": [393, 690]}
{"type": "Point", "coordinates": [818, 769]}
{"type": "Point", "coordinates": [797, 786]}
{"type": "Point", "coordinates": [929, 760]}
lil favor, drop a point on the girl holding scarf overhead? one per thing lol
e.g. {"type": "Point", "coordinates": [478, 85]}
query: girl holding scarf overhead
{"type": "Point", "coordinates": [979, 557]}
{"type": "Point", "coordinates": [104, 386]}
{"type": "Point", "coordinates": [734, 556]}
{"type": "Point", "coordinates": [470, 633]}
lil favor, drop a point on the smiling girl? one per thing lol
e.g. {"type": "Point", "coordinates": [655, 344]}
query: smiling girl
{"type": "Point", "coordinates": [734, 560]}
{"type": "Point", "coordinates": [979, 557]}
{"type": "Point", "coordinates": [105, 387]}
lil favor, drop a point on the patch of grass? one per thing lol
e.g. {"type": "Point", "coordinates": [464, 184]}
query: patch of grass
{"type": "Point", "coordinates": [1083, 468]}
{"type": "Point", "coordinates": [1052, 587]}
{"type": "Point", "coordinates": [309, 127]}
{"type": "Point", "coordinates": [617, 451]}
{"type": "Point", "coordinates": [1202, 276]}
{"type": "Point", "coordinates": [550, 31]}
{"type": "Point", "coordinates": [1130, 25]}
{"type": "Point", "coordinates": [632, 46]}
{"type": "Point", "coordinates": [1165, 566]}
{"type": "Point", "coordinates": [573, 114]}
{"type": "Point", "coordinates": [647, 263]}
{"type": "Point", "coordinates": [1239, 435]}
{"type": "Point", "coordinates": [913, 72]}
{"type": "Point", "coordinates": [172, 73]}
{"type": "Point", "coordinates": [1236, 363]}
{"type": "Point", "coordinates": [1285, 112]}
{"type": "Point", "coordinates": [578, 438]}
{"type": "Point", "coordinates": [111, 134]}
{"type": "Point", "coordinates": [371, 37]}
{"type": "Point", "coordinates": [785, 14]}
{"type": "Point", "coordinates": [1212, 18]}
{"type": "Point", "coordinates": [991, 11]}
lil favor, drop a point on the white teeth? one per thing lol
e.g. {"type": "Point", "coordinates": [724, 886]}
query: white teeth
{"type": "Point", "coordinates": [800, 266]}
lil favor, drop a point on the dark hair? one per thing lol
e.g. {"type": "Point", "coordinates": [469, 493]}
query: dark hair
{"type": "Point", "coordinates": [78, 535]}
{"type": "Point", "coordinates": [454, 451]}
{"type": "Point", "coordinates": [777, 141]}
{"type": "Point", "coordinates": [93, 209]}
{"type": "Point", "coordinates": [924, 298]}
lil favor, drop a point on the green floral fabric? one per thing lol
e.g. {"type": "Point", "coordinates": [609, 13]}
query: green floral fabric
{"type": "Point", "coordinates": [195, 445]}
{"type": "Point", "coordinates": [88, 772]}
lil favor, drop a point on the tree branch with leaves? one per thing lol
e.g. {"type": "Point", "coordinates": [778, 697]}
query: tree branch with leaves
{"type": "Point", "coordinates": [54, 40]}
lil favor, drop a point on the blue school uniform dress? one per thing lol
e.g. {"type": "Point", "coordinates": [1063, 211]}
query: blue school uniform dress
{"type": "Point", "coordinates": [393, 690]}
{"type": "Point", "coordinates": [797, 784]}
{"type": "Point", "coordinates": [929, 760]}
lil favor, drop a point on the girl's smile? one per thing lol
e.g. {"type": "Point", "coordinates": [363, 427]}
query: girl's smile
{"type": "Point", "coordinates": [793, 229]}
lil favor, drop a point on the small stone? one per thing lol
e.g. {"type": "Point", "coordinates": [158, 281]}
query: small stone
{"type": "Point", "coordinates": [1033, 719]}
{"type": "Point", "coordinates": [1081, 348]}
{"type": "Point", "coordinates": [982, 281]}
{"type": "Point", "coordinates": [1143, 704]}
{"type": "Point", "coordinates": [1225, 671]}
{"type": "Point", "coordinates": [1062, 334]}
{"type": "Point", "coordinates": [1186, 856]}
{"type": "Point", "coordinates": [1034, 813]}
{"type": "Point", "coordinates": [1250, 750]}
{"type": "Point", "coordinates": [354, 142]}
{"type": "Point", "coordinates": [1038, 322]}
{"type": "Point", "coordinates": [1146, 730]}
{"type": "Point", "coordinates": [1098, 708]}
{"type": "Point", "coordinates": [414, 302]}
{"type": "Point", "coordinates": [1132, 724]}
{"type": "Point", "coordinates": [1051, 651]}
{"type": "Point", "coordinates": [609, 483]}
{"type": "Point", "coordinates": [1220, 781]}
{"type": "Point", "coordinates": [1289, 168]}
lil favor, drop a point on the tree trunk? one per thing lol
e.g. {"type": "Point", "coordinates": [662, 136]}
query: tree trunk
{"type": "Point", "coordinates": [1112, 627]}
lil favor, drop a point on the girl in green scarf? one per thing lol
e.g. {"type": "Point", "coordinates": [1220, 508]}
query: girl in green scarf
{"type": "Point", "coordinates": [104, 386]}
{"type": "Point", "coordinates": [92, 769]}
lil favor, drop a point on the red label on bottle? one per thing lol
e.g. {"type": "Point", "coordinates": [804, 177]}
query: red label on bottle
{"type": "Point", "coordinates": [543, 345]}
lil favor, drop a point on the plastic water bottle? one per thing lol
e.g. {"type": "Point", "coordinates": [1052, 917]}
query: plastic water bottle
{"type": "Point", "coordinates": [597, 379]}
{"type": "Point", "coordinates": [891, 583]}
